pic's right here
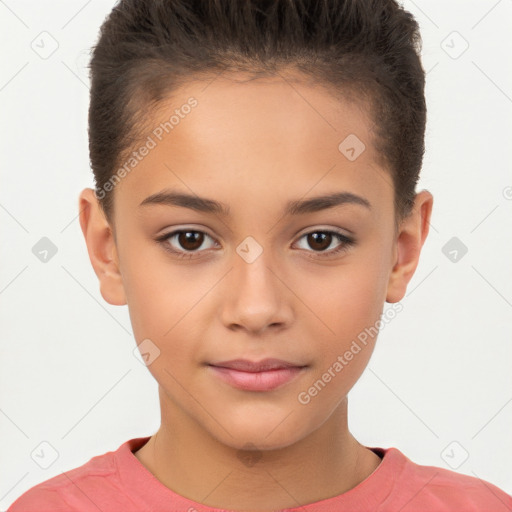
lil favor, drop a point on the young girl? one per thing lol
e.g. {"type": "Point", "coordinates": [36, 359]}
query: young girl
{"type": "Point", "coordinates": [255, 207]}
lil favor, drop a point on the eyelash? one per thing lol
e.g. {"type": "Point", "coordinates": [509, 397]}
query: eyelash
{"type": "Point", "coordinates": [346, 243]}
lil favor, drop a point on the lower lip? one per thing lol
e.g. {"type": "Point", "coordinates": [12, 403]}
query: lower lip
{"type": "Point", "coordinates": [257, 381]}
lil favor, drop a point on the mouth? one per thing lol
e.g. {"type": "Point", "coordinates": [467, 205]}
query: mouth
{"type": "Point", "coordinates": [264, 375]}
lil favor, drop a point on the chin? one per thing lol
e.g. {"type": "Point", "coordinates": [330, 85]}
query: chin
{"type": "Point", "coordinates": [272, 434]}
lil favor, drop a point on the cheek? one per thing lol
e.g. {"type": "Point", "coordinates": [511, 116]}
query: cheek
{"type": "Point", "coordinates": [348, 307]}
{"type": "Point", "coordinates": [167, 304]}
{"type": "Point", "coordinates": [154, 291]}
{"type": "Point", "coordinates": [347, 299]}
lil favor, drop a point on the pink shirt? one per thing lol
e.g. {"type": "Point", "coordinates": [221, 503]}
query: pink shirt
{"type": "Point", "coordinates": [118, 482]}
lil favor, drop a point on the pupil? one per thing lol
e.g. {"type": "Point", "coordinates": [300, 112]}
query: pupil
{"type": "Point", "coordinates": [324, 236]}
{"type": "Point", "coordinates": [195, 239]}
{"type": "Point", "coordinates": [188, 237]}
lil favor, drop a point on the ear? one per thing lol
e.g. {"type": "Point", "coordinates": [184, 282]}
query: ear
{"type": "Point", "coordinates": [412, 234]}
{"type": "Point", "coordinates": [101, 247]}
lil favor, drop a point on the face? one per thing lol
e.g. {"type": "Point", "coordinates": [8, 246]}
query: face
{"type": "Point", "coordinates": [258, 280]}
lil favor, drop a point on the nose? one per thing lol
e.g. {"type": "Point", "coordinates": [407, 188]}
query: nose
{"type": "Point", "coordinates": [255, 297]}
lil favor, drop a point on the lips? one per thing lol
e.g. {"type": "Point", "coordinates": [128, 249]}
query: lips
{"type": "Point", "coordinates": [245, 365]}
{"type": "Point", "coordinates": [265, 375]}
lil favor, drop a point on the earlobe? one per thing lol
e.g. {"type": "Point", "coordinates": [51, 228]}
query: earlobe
{"type": "Point", "coordinates": [101, 247]}
{"type": "Point", "coordinates": [411, 237]}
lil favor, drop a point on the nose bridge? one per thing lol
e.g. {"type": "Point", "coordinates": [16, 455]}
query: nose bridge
{"type": "Point", "coordinates": [255, 293]}
{"type": "Point", "coordinates": [254, 267]}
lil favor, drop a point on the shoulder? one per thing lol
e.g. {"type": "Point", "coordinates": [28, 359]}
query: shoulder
{"type": "Point", "coordinates": [75, 489]}
{"type": "Point", "coordinates": [41, 499]}
{"type": "Point", "coordinates": [424, 488]}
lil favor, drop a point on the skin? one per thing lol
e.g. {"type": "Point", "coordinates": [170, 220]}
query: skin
{"type": "Point", "coordinates": [254, 146]}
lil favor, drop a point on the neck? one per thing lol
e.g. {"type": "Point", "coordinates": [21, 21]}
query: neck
{"type": "Point", "coordinates": [188, 460]}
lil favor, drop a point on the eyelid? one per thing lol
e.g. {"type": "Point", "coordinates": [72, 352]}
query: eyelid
{"type": "Point", "coordinates": [166, 236]}
{"type": "Point", "coordinates": [301, 233]}
{"type": "Point", "coordinates": [346, 240]}
{"type": "Point", "coordinates": [340, 231]}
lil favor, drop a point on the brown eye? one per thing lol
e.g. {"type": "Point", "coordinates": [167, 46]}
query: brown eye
{"type": "Point", "coordinates": [190, 240]}
{"type": "Point", "coordinates": [320, 240]}
{"type": "Point", "coordinates": [184, 243]}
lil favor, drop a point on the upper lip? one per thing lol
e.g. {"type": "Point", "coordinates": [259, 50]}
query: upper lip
{"type": "Point", "coordinates": [245, 365]}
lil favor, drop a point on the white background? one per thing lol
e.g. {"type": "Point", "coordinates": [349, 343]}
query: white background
{"type": "Point", "coordinates": [441, 371]}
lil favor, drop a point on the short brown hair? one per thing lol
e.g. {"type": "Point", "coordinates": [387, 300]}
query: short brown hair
{"type": "Point", "coordinates": [147, 48]}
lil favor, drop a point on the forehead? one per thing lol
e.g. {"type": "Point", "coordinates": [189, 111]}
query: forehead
{"type": "Point", "coordinates": [254, 136]}
{"type": "Point", "coordinates": [251, 112]}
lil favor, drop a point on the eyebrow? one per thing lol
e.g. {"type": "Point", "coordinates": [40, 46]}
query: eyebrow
{"type": "Point", "coordinates": [297, 207]}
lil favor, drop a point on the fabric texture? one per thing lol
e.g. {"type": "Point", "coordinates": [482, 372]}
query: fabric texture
{"type": "Point", "coordinates": [117, 482]}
